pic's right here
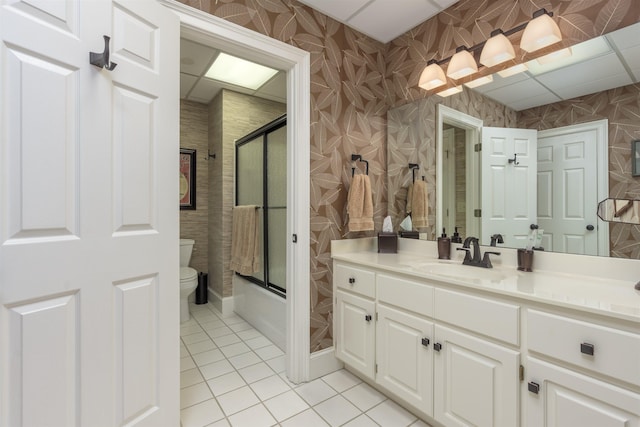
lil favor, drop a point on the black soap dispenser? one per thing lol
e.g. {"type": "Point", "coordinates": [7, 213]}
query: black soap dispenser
{"type": "Point", "coordinates": [456, 237]}
{"type": "Point", "coordinates": [444, 246]}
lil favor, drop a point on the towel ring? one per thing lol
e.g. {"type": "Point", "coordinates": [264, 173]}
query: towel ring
{"type": "Point", "coordinates": [355, 157]}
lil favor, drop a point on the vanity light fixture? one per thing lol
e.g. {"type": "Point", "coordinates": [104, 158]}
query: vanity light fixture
{"type": "Point", "coordinates": [450, 91]}
{"type": "Point", "coordinates": [539, 33]}
{"type": "Point", "coordinates": [497, 49]}
{"type": "Point", "coordinates": [432, 76]}
{"type": "Point", "coordinates": [479, 81]}
{"type": "Point", "coordinates": [512, 71]}
{"type": "Point", "coordinates": [462, 64]}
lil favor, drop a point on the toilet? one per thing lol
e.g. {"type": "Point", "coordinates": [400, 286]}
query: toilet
{"type": "Point", "coordinates": [188, 278]}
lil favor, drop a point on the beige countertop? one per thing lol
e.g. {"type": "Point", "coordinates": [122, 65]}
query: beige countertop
{"type": "Point", "coordinates": [599, 294]}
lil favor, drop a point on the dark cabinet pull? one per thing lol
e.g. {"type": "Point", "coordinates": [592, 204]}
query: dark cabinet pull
{"type": "Point", "coordinates": [352, 280]}
{"type": "Point", "coordinates": [586, 348]}
{"type": "Point", "coordinates": [367, 317]}
{"type": "Point", "coordinates": [533, 387]}
{"type": "Point", "coordinates": [425, 342]}
{"type": "Point", "coordinates": [437, 346]}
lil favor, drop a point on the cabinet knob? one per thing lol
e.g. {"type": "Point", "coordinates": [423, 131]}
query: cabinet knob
{"type": "Point", "coordinates": [425, 342]}
{"type": "Point", "coordinates": [586, 348]}
{"type": "Point", "coordinates": [367, 317]}
{"type": "Point", "coordinates": [533, 387]}
{"type": "Point", "coordinates": [437, 346]}
{"type": "Point", "coordinates": [352, 280]}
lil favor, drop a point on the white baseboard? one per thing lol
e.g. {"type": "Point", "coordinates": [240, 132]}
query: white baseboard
{"type": "Point", "coordinates": [323, 362]}
{"type": "Point", "coordinates": [224, 305]}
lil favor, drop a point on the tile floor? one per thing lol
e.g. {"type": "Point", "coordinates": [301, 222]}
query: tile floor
{"type": "Point", "coordinates": [231, 375]}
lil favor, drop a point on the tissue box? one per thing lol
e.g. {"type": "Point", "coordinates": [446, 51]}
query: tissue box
{"type": "Point", "coordinates": [387, 243]}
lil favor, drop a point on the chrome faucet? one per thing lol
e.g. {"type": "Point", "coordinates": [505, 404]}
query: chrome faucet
{"type": "Point", "coordinates": [477, 260]}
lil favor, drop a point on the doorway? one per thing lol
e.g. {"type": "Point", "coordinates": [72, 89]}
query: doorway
{"type": "Point", "coordinates": [213, 31]}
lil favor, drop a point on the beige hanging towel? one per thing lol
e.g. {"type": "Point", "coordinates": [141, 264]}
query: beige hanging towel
{"type": "Point", "coordinates": [360, 204]}
{"type": "Point", "coordinates": [245, 240]}
{"type": "Point", "coordinates": [419, 205]}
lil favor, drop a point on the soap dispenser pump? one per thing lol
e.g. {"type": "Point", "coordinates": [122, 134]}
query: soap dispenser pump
{"type": "Point", "coordinates": [456, 237]}
{"type": "Point", "coordinates": [444, 246]}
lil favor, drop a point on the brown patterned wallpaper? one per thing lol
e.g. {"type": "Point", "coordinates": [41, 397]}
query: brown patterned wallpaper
{"type": "Point", "coordinates": [355, 80]}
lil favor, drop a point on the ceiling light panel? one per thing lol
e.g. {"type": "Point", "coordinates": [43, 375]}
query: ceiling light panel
{"type": "Point", "coordinates": [239, 72]}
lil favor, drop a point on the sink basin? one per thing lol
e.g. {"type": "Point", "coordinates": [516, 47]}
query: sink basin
{"type": "Point", "coordinates": [458, 271]}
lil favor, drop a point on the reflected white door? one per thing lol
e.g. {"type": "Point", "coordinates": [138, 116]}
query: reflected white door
{"type": "Point", "coordinates": [449, 185]}
{"type": "Point", "coordinates": [568, 191]}
{"type": "Point", "coordinates": [508, 184]}
{"type": "Point", "coordinates": [89, 216]}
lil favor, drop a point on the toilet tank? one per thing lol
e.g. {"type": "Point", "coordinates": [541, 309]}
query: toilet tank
{"type": "Point", "coordinates": [186, 246]}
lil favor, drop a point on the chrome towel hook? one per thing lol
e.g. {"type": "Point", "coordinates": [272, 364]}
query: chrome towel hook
{"type": "Point", "coordinates": [101, 60]}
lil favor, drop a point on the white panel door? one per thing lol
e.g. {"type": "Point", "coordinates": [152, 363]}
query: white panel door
{"type": "Point", "coordinates": [560, 398]}
{"type": "Point", "coordinates": [355, 332]}
{"type": "Point", "coordinates": [476, 383]}
{"type": "Point", "coordinates": [567, 192]}
{"type": "Point", "coordinates": [404, 356]}
{"type": "Point", "coordinates": [508, 184]}
{"type": "Point", "coordinates": [88, 215]}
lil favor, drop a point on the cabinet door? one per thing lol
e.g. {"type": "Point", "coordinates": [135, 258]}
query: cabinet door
{"type": "Point", "coordinates": [355, 332]}
{"type": "Point", "coordinates": [566, 398]}
{"type": "Point", "coordinates": [476, 383]}
{"type": "Point", "coordinates": [404, 356]}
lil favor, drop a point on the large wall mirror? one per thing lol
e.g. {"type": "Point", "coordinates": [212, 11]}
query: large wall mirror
{"type": "Point", "coordinates": [555, 141]}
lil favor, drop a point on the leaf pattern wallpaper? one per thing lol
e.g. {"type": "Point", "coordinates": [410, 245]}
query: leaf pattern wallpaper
{"type": "Point", "coordinates": [355, 80]}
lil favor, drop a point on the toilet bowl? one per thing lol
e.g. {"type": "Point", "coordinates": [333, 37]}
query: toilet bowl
{"type": "Point", "coordinates": [188, 278]}
{"type": "Point", "coordinates": [188, 284]}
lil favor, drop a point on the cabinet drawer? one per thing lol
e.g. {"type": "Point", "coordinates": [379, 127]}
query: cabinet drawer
{"type": "Point", "coordinates": [485, 316]}
{"type": "Point", "coordinates": [408, 295]}
{"type": "Point", "coordinates": [355, 280]}
{"type": "Point", "coordinates": [615, 352]}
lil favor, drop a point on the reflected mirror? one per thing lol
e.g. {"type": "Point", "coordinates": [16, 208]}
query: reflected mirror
{"type": "Point", "coordinates": [439, 133]}
{"type": "Point", "coordinates": [619, 210]}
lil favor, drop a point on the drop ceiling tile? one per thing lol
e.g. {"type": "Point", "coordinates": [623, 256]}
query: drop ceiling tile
{"type": "Point", "coordinates": [195, 58]}
{"type": "Point", "coordinates": [625, 37]}
{"type": "Point", "coordinates": [186, 83]}
{"type": "Point", "coordinates": [275, 89]}
{"type": "Point", "coordinates": [499, 82]}
{"type": "Point", "coordinates": [632, 58]}
{"type": "Point", "coordinates": [205, 90]}
{"type": "Point", "coordinates": [596, 74]}
{"type": "Point", "coordinates": [511, 94]}
{"type": "Point", "coordinates": [338, 9]}
{"type": "Point", "coordinates": [524, 103]}
{"type": "Point", "coordinates": [384, 20]}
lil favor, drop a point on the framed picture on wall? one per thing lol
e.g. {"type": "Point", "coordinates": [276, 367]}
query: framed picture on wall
{"type": "Point", "coordinates": [635, 157]}
{"type": "Point", "coordinates": [187, 178]}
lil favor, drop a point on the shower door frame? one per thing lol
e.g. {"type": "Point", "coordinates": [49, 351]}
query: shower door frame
{"type": "Point", "coordinates": [263, 131]}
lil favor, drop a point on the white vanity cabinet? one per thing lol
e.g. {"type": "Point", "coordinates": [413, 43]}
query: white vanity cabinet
{"type": "Point", "coordinates": [404, 339]}
{"type": "Point", "coordinates": [354, 325]}
{"type": "Point", "coordinates": [458, 377]}
{"type": "Point", "coordinates": [565, 356]}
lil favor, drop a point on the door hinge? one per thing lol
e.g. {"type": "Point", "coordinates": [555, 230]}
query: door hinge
{"type": "Point", "coordinates": [376, 316]}
{"type": "Point", "coordinates": [521, 373]}
{"type": "Point", "coordinates": [294, 238]}
{"type": "Point", "coordinates": [477, 213]}
{"type": "Point", "coordinates": [477, 148]}
{"type": "Point", "coordinates": [376, 368]}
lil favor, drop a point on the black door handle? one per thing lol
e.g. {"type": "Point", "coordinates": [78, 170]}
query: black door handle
{"type": "Point", "coordinates": [590, 227]}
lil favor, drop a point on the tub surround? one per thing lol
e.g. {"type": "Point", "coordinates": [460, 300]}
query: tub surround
{"type": "Point", "coordinates": [461, 345]}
